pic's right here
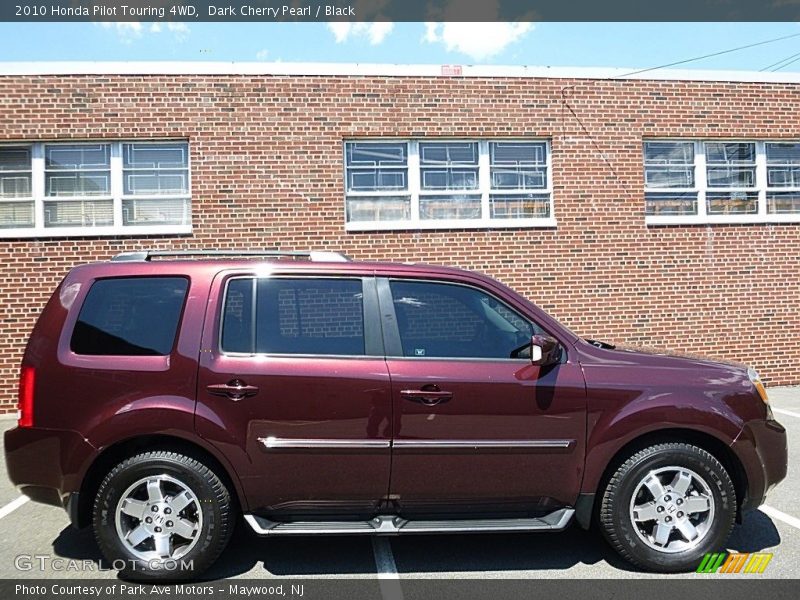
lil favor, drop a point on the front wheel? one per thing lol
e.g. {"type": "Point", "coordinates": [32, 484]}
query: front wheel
{"type": "Point", "coordinates": [667, 506]}
{"type": "Point", "coordinates": [162, 515]}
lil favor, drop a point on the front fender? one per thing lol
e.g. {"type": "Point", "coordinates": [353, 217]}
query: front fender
{"type": "Point", "coordinates": [615, 423]}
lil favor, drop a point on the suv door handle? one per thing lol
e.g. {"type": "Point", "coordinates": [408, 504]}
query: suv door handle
{"type": "Point", "coordinates": [235, 389]}
{"type": "Point", "coordinates": [429, 397]}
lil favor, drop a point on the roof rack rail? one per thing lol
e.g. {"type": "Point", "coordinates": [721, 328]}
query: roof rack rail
{"type": "Point", "coordinates": [147, 255]}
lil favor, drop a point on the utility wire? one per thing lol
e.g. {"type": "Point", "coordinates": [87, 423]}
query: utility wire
{"type": "Point", "coordinates": [713, 54]}
{"type": "Point", "coordinates": [787, 64]}
{"type": "Point", "coordinates": [783, 60]}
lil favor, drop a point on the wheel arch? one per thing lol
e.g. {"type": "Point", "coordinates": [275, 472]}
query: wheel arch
{"type": "Point", "coordinates": [588, 505]}
{"type": "Point", "coordinates": [119, 451]}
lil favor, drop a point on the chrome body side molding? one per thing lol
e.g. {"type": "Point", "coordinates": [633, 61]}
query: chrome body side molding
{"type": "Point", "coordinates": [276, 443]}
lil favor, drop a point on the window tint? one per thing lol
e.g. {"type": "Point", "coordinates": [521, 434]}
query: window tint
{"type": "Point", "coordinates": [133, 316]}
{"type": "Point", "coordinates": [453, 321]}
{"type": "Point", "coordinates": [237, 318]}
{"type": "Point", "coordinates": [294, 316]}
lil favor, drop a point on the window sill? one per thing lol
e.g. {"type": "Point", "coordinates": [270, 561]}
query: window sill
{"type": "Point", "coordinates": [450, 224]}
{"type": "Point", "coordinates": [721, 220]}
{"type": "Point", "coordinates": [63, 232]}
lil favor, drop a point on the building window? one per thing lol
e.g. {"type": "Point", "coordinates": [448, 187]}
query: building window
{"type": "Point", "coordinates": [155, 184]}
{"type": "Point", "coordinates": [94, 188]}
{"type": "Point", "coordinates": [16, 195]}
{"type": "Point", "coordinates": [783, 178]}
{"type": "Point", "coordinates": [718, 181]}
{"type": "Point", "coordinates": [429, 184]}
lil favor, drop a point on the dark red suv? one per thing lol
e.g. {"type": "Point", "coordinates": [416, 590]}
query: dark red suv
{"type": "Point", "coordinates": [163, 394]}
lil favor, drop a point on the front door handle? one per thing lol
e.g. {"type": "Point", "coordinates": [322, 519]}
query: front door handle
{"type": "Point", "coordinates": [429, 395]}
{"type": "Point", "coordinates": [235, 389]}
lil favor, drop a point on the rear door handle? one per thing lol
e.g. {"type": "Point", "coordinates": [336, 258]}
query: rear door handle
{"type": "Point", "coordinates": [429, 397]}
{"type": "Point", "coordinates": [235, 389]}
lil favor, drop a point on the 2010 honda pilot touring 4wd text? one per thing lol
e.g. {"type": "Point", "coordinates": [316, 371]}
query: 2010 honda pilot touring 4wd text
{"type": "Point", "coordinates": [163, 394]}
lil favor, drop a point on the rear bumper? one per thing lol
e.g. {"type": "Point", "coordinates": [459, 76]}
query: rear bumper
{"type": "Point", "coordinates": [763, 451]}
{"type": "Point", "coordinates": [47, 465]}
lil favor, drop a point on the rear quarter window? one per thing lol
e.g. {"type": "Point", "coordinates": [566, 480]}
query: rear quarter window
{"type": "Point", "coordinates": [130, 316]}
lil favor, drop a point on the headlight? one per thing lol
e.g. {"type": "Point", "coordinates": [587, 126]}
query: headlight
{"type": "Point", "coordinates": [755, 378]}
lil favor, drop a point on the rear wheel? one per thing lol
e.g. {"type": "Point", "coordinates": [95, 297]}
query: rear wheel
{"type": "Point", "coordinates": [162, 515]}
{"type": "Point", "coordinates": [667, 505]}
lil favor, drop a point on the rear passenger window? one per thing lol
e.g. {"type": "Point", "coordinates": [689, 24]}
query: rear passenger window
{"type": "Point", "coordinates": [130, 316]}
{"type": "Point", "coordinates": [294, 316]}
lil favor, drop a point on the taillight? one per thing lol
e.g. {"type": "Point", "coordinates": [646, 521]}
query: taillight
{"type": "Point", "coordinates": [27, 377]}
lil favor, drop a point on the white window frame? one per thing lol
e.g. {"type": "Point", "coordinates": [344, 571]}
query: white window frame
{"type": "Point", "coordinates": [702, 217]}
{"type": "Point", "coordinates": [415, 191]}
{"type": "Point", "coordinates": [117, 228]}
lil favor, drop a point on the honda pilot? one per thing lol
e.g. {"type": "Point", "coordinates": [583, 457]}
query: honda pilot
{"type": "Point", "coordinates": [165, 394]}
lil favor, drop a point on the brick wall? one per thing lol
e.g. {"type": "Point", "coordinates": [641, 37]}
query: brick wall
{"type": "Point", "coordinates": [267, 171]}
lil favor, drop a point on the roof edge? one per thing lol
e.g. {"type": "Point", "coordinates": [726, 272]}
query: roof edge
{"type": "Point", "coordinates": [300, 69]}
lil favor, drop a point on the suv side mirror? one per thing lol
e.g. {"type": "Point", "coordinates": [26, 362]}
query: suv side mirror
{"type": "Point", "coordinates": [545, 350]}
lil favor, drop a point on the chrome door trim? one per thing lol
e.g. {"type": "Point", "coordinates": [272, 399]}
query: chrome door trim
{"type": "Point", "coordinates": [465, 444]}
{"type": "Point", "coordinates": [276, 443]}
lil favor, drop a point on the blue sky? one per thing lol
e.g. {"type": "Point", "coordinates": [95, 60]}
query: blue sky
{"type": "Point", "coordinates": [634, 45]}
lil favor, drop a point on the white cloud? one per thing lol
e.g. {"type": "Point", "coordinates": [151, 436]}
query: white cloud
{"type": "Point", "coordinates": [374, 32]}
{"type": "Point", "coordinates": [127, 31]}
{"type": "Point", "coordinates": [479, 41]}
{"type": "Point", "coordinates": [179, 30]}
{"type": "Point", "coordinates": [262, 54]}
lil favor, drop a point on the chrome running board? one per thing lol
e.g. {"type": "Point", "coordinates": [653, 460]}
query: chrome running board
{"type": "Point", "coordinates": [394, 525]}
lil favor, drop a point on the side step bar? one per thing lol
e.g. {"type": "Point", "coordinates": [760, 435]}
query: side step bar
{"type": "Point", "coordinates": [395, 525]}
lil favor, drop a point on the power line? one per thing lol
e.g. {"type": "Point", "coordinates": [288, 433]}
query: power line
{"type": "Point", "coordinates": [783, 60]}
{"type": "Point", "coordinates": [713, 54]}
{"type": "Point", "coordinates": [788, 63]}
{"type": "Point", "coordinates": [775, 64]}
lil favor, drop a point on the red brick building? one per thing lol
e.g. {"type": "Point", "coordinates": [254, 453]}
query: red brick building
{"type": "Point", "coordinates": [660, 210]}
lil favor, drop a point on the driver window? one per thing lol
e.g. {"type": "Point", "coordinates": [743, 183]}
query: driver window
{"type": "Point", "coordinates": [440, 320]}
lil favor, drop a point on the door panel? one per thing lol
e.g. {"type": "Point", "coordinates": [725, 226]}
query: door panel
{"type": "Point", "coordinates": [484, 434]}
{"type": "Point", "coordinates": [309, 434]}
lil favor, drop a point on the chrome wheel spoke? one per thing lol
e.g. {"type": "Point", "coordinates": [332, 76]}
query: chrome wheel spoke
{"type": "Point", "coordinates": [137, 535]}
{"type": "Point", "coordinates": [697, 504]}
{"type": "Point", "coordinates": [645, 512]}
{"type": "Point", "coordinates": [134, 508]}
{"type": "Point", "coordinates": [653, 484]}
{"type": "Point", "coordinates": [184, 528]}
{"type": "Point", "coordinates": [181, 501]}
{"type": "Point", "coordinates": [687, 529]}
{"type": "Point", "coordinates": [163, 545]}
{"type": "Point", "coordinates": [661, 534]}
{"type": "Point", "coordinates": [680, 484]}
{"type": "Point", "coordinates": [154, 493]}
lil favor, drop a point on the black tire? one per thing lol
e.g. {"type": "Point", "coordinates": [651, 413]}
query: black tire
{"type": "Point", "coordinates": [619, 529]}
{"type": "Point", "coordinates": [218, 517]}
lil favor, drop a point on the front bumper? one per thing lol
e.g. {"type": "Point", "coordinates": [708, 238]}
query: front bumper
{"type": "Point", "coordinates": [763, 451]}
{"type": "Point", "coordinates": [47, 465]}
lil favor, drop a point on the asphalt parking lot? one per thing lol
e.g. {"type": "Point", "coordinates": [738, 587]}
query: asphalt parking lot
{"type": "Point", "coordinates": [32, 530]}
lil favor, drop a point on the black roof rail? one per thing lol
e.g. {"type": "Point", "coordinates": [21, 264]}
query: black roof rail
{"type": "Point", "coordinates": [147, 255]}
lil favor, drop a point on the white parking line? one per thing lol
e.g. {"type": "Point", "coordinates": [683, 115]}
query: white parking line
{"type": "Point", "coordinates": [788, 413]}
{"type": "Point", "coordinates": [12, 506]}
{"type": "Point", "coordinates": [781, 516]}
{"type": "Point", "coordinates": [386, 569]}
